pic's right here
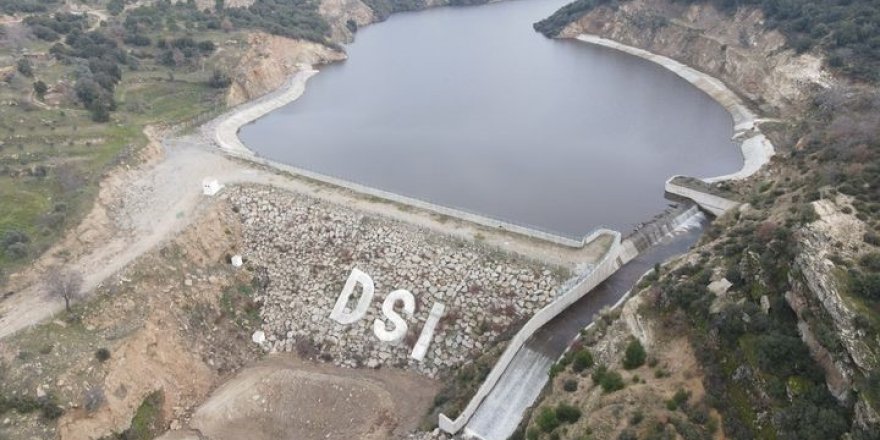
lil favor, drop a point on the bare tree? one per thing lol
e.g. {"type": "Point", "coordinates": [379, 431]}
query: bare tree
{"type": "Point", "coordinates": [64, 284]}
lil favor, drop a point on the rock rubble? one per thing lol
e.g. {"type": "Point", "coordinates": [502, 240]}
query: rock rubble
{"type": "Point", "coordinates": [308, 248]}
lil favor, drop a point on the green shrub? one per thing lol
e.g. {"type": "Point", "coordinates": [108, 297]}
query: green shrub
{"type": "Point", "coordinates": [547, 420]}
{"type": "Point", "coordinates": [40, 89]}
{"type": "Point", "coordinates": [147, 422]}
{"type": "Point", "coordinates": [635, 355]}
{"type": "Point", "coordinates": [552, 25]}
{"type": "Point", "coordinates": [808, 214]}
{"type": "Point", "coordinates": [698, 414]}
{"type": "Point", "coordinates": [871, 261]}
{"type": "Point", "coordinates": [555, 369]}
{"type": "Point", "coordinates": [783, 355]}
{"type": "Point", "coordinates": [628, 434]}
{"type": "Point", "coordinates": [17, 251]}
{"type": "Point", "coordinates": [292, 19]}
{"type": "Point", "coordinates": [13, 237]}
{"type": "Point", "coordinates": [93, 399]}
{"type": "Point", "coordinates": [566, 413]}
{"type": "Point", "coordinates": [25, 67]}
{"type": "Point", "coordinates": [219, 80]}
{"type": "Point", "coordinates": [865, 285]}
{"type": "Point", "coordinates": [49, 408]}
{"type": "Point", "coordinates": [636, 417]}
{"type": "Point", "coordinates": [583, 359]}
{"type": "Point", "coordinates": [680, 398]}
{"type": "Point", "coordinates": [570, 385]}
{"type": "Point", "coordinates": [611, 381]}
{"type": "Point", "coordinates": [599, 373]}
{"type": "Point", "coordinates": [102, 354]}
{"type": "Point", "coordinates": [532, 433]}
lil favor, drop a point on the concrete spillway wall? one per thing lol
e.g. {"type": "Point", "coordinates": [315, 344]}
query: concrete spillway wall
{"type": "Point", "coordinates": [605, 268]}
{"type": "Point", "coordinates": [716, 205]}
{"type": "Point", "coordinates": [519, 386]}
{"type": "Point", "coordinates": [519, 375]}
{"type": "Point", "coordinates": [652, 232]}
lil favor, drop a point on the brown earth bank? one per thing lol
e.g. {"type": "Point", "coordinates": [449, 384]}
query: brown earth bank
{"type": "Point", "coordinates": [286, 398]}
{"type": "Point", "coordinates": [642, 403]}
{"type": "Point", "coordinates": [176, 324]}
{"type": "Point", "coordinates": [269, 61]}
{"type": "Point", "coordinates": [163, 327]}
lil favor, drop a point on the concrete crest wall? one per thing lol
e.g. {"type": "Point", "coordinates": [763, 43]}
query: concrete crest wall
{"type": "Point", "coordinates": [714, 204]}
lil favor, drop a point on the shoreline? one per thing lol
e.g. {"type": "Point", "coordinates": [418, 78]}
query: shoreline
{"type": "Point", "coordinates": [756, 149]}
{"type": "Point", "coordinates": [223, 130]}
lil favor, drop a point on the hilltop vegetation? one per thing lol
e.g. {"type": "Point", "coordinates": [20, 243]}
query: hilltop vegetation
{"type": "Point", "coordinates": [384, 8]}
{"type": "Point", "coordinates": [16, 6]}
{"type": "Point", "coordinates": [847, 30]}
{"type": "Point", "coordinates": [554, 24]}
{"type": "Point", "coordinates": [78, 91]}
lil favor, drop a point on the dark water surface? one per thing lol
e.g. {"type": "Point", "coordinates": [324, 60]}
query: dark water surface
{"type": "Point", "coordinates": [470, 108]}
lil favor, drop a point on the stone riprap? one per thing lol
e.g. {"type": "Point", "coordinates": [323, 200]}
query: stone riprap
{"type": "Point", "coordinates": [309, 247]}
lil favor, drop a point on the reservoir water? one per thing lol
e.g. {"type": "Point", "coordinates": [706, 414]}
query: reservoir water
{"type": "Point", "coordinates": [470, 108]}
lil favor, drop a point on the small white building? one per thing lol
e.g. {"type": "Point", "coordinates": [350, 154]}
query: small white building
{"type": "Point", "coordinates": [211, 186]}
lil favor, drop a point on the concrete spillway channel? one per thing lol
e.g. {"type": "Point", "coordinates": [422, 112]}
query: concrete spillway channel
{"type": "Point", "coordinates": [521, 383]}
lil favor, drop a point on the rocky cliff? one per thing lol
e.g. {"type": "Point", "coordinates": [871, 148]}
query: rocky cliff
{"type": "Point", "coordinates": [737, 49]}
{"type": "Point", "coordinates": [345, 17]}
{"type": "Point", "coordinates": [269, 61]}
{"type": "Point", "coordinates": [831, 319]}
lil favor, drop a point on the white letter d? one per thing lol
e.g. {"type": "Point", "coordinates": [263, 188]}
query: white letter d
{"type": "Point", "coordinates": [357, 277]}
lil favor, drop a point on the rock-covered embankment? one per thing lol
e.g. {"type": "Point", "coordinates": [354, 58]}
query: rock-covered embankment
{"type": "Point", "coordinates": [309, 247]}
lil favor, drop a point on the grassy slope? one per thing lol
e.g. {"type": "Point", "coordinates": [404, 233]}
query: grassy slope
{"type": "Point", "coordinates": [66, 136]}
